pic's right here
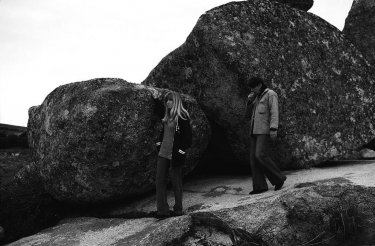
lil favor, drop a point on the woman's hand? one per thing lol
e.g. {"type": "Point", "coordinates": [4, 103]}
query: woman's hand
{"type": "Point", "coordinates": [181, 152]}
{"type": "Point", "coordinates": [273, 134]}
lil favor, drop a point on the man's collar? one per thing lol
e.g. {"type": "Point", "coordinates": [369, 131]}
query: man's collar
{"type": "Point", "coordinates": [264, 92]}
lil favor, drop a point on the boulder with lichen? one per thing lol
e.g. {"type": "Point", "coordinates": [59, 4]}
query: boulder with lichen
{"type": "Point", "coordinates": [359, 28]}
{"type": "Point", "coordinates": [94, 141]}
{"type": "Point", "coordinates": [325, 87]}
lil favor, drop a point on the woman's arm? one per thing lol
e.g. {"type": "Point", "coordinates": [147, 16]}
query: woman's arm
{"type": "Point", "coordinates": [186, 140]}
{"type": "Point", "coordinates": [160, 136]}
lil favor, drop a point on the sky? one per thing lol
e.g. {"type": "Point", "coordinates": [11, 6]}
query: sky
{"type": "Point", "coordinates": [48, 43]}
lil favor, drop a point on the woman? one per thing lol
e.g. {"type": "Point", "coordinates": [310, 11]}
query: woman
{"type": "Point", "coordinates": [174, 139]}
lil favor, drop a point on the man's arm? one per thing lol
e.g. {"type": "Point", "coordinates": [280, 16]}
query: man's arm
{"type": "Point", "coordinates": [274, 112]}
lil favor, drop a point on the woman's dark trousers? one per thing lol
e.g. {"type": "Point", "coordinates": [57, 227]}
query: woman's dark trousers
{"type": "Point", "coordinates": [261, 163]}
{"type": "Point", "coordinates": [162, 168]}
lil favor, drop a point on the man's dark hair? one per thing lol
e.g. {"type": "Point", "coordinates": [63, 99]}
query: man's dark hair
{"type": "Point", "coordinates": [254, 81]}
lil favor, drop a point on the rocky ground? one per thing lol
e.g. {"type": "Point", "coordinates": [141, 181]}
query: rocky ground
{"type": "Point", "coordinates": [25, 207]}
{"type": "Point", "coordinates": [11, 160]}
{"type": "Point", "coordinates": [339, 197]}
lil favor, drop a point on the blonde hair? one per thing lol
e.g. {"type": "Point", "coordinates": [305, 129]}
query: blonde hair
{"type": "Point", "coordinates": [177, 109]}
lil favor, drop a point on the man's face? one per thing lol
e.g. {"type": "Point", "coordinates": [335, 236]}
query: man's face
{"type": "Point", "coordinates": [256, 89]}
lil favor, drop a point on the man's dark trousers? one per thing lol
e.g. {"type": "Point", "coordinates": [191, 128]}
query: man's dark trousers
{"type": "Point", "coordinates": [163, 165]}
{"type": "Point", "coordinates": [261, 164]}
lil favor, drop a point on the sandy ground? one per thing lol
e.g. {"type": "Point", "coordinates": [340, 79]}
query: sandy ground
{"type": "Point", "coordinates": [211, 193]}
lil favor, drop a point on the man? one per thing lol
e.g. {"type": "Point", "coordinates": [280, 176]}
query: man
{"type": "Point", "coordinates": [263, 128]}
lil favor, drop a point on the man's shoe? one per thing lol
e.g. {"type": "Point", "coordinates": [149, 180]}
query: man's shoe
{"type": "Point", "coordinates": [162, 216]}
{"type": "Point", "coordinates": [253, 192]}
{"type": "Point", "coordinates": [174, 213]}
{"type": "Point", "coordinates": [279, 186]}
{"type": "Point", "coordinates": [152, 214]}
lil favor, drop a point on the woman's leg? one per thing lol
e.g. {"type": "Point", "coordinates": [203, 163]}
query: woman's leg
{"type": "Point", "coordinates": [161, 186]}
{"type": "Point", "coordinates": [259, 181]}
{"type": "Point", "coordinates": [176, 176]}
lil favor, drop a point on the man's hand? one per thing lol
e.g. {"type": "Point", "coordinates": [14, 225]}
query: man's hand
{"type": "Point", "coordinates": [251, 97]}
{"type": "Point", "coordinates": [273, 134]}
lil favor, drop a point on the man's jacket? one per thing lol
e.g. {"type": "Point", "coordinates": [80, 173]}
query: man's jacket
{"type": "Point", "coordinates": [265, 113]}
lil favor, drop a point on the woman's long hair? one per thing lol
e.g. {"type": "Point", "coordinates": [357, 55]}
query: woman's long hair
{"type": "Point", "coordinates": [177, 109]}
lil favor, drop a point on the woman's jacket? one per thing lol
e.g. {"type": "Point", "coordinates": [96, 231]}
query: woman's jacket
{"type": "Point", "coordinates": [181, 142]}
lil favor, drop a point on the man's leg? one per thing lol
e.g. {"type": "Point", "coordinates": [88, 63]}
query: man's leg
{"type": "Point", "coordinates": [176, 176]}
{"type": "Point", "coordinates": [259, 181]}
{"type": "Point", "coordinates": [161, 186]}
{"type": "Point", "coordinates": [271, 170]}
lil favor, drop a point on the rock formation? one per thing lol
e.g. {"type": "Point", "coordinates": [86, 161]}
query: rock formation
{"type": "Point", "coordinates": [298, 4]}
{"type": "Point", "coordinates": [25, 206]}
{"type": "Point", "coordinates": [95, 140]}
{"type": "Point", "coordinates": [326, 89]}
{"type": "Point", "coordinates": [336, 214]}
{"type": "Point", "coordinates": [359, 28]}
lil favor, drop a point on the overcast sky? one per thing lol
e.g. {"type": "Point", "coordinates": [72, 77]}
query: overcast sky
{"type": "Point", "coordinates": [47, 43]}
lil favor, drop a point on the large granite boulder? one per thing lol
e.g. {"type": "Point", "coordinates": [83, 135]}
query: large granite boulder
{"type": "Point", "coordinates": [95, 140]}
{"type": "Point", "coordinates": [298, 4]}
{"type": "Point", "coordinates": [324, 214]}
{"type": "Point", "coordinates": [325, 87]}
{"type": "Point", "coordinates": [359, 28]}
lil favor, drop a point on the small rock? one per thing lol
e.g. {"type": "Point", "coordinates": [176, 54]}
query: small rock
{"type": "Point", "coordinates": [367, 154]}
